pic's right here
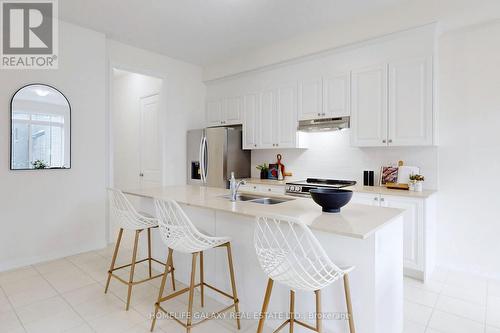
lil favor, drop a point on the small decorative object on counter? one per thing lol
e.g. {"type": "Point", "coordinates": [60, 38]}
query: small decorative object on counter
{"type": "Point", "coordinates": [416, 182]}
{"type": "Point", "coordinates": [368, 178]}
{"type": "Point", "coordinates": [281, 168]}
{"type": "Point", "coordinates": [264, 170]}
{"type": "Point", "coordinates": [273, 172]}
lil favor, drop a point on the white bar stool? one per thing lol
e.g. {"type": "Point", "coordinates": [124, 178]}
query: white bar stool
{"type": "Point", "coordinates": [130, 219]}
{"type": "Point", "coordinates": [289, 253]}
{"type": "Point", "coordinates": [179, 234]}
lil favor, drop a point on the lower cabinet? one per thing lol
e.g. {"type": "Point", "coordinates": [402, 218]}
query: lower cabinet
{"type": "Point", "coordinates": [260, 188]}
{"type": "Point", "coordinates": [418, 230]}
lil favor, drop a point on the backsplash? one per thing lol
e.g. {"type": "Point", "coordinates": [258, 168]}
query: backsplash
{"type": "Point", "coordinates": [330, 155]}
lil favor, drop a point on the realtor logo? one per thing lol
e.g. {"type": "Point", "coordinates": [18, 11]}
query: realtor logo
{"type": "Point", "coordinates": [29, 34]}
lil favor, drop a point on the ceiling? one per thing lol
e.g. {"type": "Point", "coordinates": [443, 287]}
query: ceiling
{"type": "Point", "coordinates": [209, 31]}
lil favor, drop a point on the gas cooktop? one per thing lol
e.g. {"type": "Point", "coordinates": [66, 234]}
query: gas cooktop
{"type": "Point", "coordinates": [302, 187]}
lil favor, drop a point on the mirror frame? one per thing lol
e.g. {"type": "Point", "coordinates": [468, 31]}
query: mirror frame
{"type": "Point", "coordinates": [10, 134]}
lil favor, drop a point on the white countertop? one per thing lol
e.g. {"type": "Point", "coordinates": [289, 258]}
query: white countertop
{"type": "Point", "coordinates": [357, 188]}
{"type": "Point", "coordinates": [354, 220]}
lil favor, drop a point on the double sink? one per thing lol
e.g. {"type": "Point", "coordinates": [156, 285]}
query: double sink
{"type": "Point", "coordinates": [263, 200]}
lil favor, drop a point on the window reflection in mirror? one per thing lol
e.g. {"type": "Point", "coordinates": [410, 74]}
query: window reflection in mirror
{"type": "Point", "coordinates": [40, 129]}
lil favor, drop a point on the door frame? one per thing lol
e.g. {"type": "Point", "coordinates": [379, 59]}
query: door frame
{"type": "Point", "coordinates": [162, 113]}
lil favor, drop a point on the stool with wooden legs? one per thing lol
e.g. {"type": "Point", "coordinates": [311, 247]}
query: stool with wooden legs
{"type": "Point", "coordinates": [290, 254]}
{"type": "Point", "coordinates": [128, 218]}
{"type": "Point", "coordinates": [179, 234]}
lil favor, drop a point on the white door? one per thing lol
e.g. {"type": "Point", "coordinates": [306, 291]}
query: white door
{"type": "Point", "coordinates": [410, 102]}
{"type": "Point", "coordinates": [250, 126]}
{"type": "Point", "coordinates": [286, 125]}
{"type": "Point", "coordinates": [337, 95]}
{"type": "Point", "coordinates": [149, 148]}
{"type": "Point", "coordinates": [369, 106]}
{"type": "Point", "coordinates": [310, 99]}
{"type": "Point", "coordinates": [232, 111]}
{"type": "Point", "coordinates": [267, 118]}
{"type": "Point", "coordinates": [413, 235]}
{"type": "Point", "coordinates": [214, 113]}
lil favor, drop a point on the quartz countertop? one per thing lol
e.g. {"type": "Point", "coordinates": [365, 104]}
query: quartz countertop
{"type": "Point", "coordinates": [356, 188]}
{"type": "Point", "coordinates": [355, 220]}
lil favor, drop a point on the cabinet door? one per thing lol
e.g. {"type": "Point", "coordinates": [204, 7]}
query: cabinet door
{"type": "Point", "coordinates": [286, 125]}
{"type": "Point", "coordinates": [214, 113]}
{"type": "Point", "coordinates": [413, 242]}
{"type": "Point", "coordinates": [366, 199]}
{"type": "Point", "coordinates": [250, 125]}
{"type": "Point", "coordinates": [337, 95]}
{"type": "Point", "coordinates": [410, 102]}
{"type": "Point", "coordinates": [369, 107]}
{"type": "Point", "coordinates": [267, 119]}
{"type": "Point", "coordinates": [232, 110]}
{"type": "Point", "coordinates": [310, 99]}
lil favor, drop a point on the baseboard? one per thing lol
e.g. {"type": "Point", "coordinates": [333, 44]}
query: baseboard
{"type": "Point", "coordinates": [22, 262]}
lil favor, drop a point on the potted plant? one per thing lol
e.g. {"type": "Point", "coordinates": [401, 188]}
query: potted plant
{"type": "Point", "coordinates": [264, 170]}
{"type": "Point", "coordinates": [416, 182]}
{"type": "Point", "coordinates": [39, 164]}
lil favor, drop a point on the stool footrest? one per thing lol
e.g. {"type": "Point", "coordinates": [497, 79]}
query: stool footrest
{"type": "Point", "coordinates": [212, 316]}
{"type": "Point", "coordinates": [140, 281]}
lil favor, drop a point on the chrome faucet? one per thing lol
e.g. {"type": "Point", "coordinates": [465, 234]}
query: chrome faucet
{"type": "Point", "coordinates": [235, 186]}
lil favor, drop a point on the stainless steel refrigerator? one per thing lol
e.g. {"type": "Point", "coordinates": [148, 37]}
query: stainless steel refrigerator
{"type": "Point", "coordinates": [213, 153]}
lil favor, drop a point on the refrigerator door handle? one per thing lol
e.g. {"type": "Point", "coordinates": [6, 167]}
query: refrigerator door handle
{"type": "Point", "coordinates": [202, 172]}
{"type": "Point", "coordinates": [205, 159]}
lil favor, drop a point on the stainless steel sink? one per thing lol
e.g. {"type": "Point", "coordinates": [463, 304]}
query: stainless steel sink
{"type": "Point", "coordinates": [243, 197]}
{"type": "Point", "coordinates": [270, 201]}
{"type": "Point", "coordinates": [260, 199]}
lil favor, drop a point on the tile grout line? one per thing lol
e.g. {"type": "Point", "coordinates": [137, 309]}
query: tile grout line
{"type": "Point", "coordinates": [64, 299]}
{"type": "Point", "coordinates": [13, 309]}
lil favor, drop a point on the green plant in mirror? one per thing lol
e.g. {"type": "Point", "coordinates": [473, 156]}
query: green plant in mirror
{"type": "Point", "coordinates": [39, 164]}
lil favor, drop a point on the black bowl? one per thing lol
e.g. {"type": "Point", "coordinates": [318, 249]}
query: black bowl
{"type": "Point", "coordinates": [331, 199]}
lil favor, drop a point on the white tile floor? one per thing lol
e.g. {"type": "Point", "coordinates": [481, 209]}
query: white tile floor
{"type": "Point", "coordinates": [66, 295]}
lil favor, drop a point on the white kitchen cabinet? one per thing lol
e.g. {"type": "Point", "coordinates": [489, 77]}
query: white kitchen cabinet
{"type": "Point", "coordinates": [327, 97]}
{"type": "Point", "coordinates": [371, 199]}
{"type": "Point", "coordinates": [225, 111]}
{"type": "Point", "coordinates": [268, 119]}
{"type": "Point", "coordinates": [251, 103]}
{"type": "Point", "coordinates": [369, 106]}
{"type": "Point", "coordinates": [214, 113]}
{"type": "Point", "coordinates": [263, 189]}
{"type": "Point", "coordinates": [392, 104]}
{"type": "Point", "coordinates": [337, 95]}
{"type": "Point", "coordinates": [413, 235]}
{"type": "Point", "coordinates": [418, 229]}
{"type": "Point", "coordinates": [286, 126]}
{"type": "Point", "coordinates": [410, 102]}
{"type": "Point", "coordinates": [310, 104]}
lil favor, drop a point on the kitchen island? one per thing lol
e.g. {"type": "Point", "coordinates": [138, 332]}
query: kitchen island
{"type": "Point", "coordinates": [370, 238]}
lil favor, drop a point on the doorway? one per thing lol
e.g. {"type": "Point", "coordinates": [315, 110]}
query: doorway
{"type": "Point", "coordinates": [135, 147]}
{"type": "Point", "coordinates": [135, 118]}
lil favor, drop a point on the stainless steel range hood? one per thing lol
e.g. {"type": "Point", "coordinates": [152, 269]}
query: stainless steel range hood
{"type": "Point", "coordinates": [323, 125]}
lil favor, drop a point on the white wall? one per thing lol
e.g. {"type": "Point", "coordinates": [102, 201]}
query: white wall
{"type": "Point", "coordinates": [51, 213]}
{"type": "Point", "coordinates": [330, 155]}
{"type": "Point", "coordinates": [469, 151]}
{"type": "Point", "coordinates": [127, 89]}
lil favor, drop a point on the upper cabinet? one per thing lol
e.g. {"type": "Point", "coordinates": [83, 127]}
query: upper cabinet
{"type": "Point", "coordinates": [337, 95]}
{"type": "Point", "coordinates": [225, 111]}
{"type": "Point", "coordinates": [369, 106]}
{"type": "Point", "coordinates": [385, 86]}
{"type": "Point", "coordinates": [392, 104]}
{"type": "Point", "coordinates": [410, 102]}
{"type": "Point", "coordinates": [326, 97]}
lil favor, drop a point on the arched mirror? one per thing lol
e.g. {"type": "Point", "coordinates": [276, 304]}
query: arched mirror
{"type": "Point", "coordinates": [40, 118]}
